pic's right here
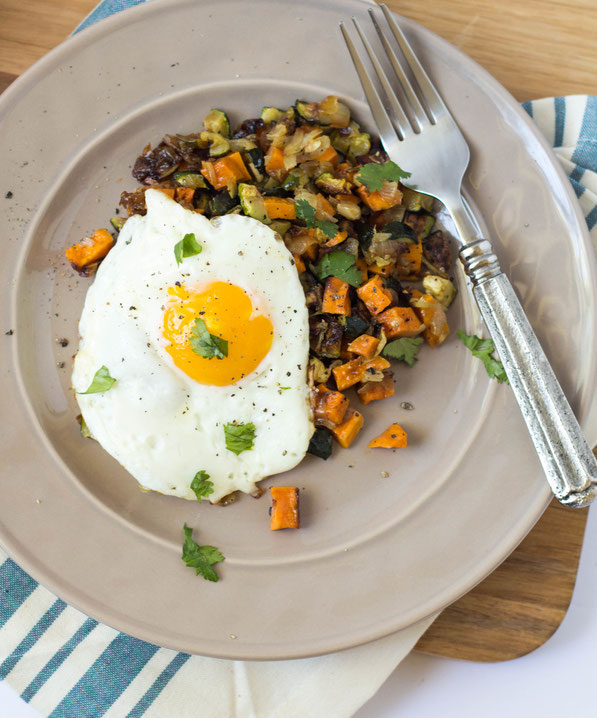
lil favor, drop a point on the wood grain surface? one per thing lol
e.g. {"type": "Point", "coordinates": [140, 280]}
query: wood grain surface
{"type": "Point", "coordinates": [535, 48]}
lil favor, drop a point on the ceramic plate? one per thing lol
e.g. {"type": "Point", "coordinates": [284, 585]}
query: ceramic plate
{"type": "Point", "coordinates": [376, 553]}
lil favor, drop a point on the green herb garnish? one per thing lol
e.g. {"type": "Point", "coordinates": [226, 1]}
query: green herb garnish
{"type": "Point", "coordinates": [187, 247]}
{"type": "Point", "coordinates": [306, 211]}
{"type": "Point", "coordinates": [201, 485]}
{"type": "Point", "coordinates": [85, 433]}
{"type": "Point", "coordinates": [373, 174]}
{"type": "Point", "coordinates": [102, 381]}
{"type": "Point", "coordinates": [404, 349]}
{"type": "Point", "coordinates": [340, 264]}
{"type": "Point", "coordinates": [239, 437]}
{"type": "Point", "coordinates": [205, 344]}
{"type": "Point", "coordinates": [201, 558]}
{"type": "Point", "coordinates": [482, 349]}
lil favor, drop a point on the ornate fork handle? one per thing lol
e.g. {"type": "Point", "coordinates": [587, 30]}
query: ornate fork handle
{"type": "Point", "coordinates": [566, 457]}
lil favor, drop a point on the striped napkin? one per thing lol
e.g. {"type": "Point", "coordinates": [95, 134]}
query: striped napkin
{"type": "Point", "coordinates": [67, 665]}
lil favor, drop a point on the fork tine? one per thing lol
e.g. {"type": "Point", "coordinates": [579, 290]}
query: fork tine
{"type": "Point", "coordinates": [402, 120]}
{"type": "Point", "coordinates": [387, 132]}
{"type": "Point", "coordinates": [434, 101]}
{"type": "Point", "coordinates": [417, 108]}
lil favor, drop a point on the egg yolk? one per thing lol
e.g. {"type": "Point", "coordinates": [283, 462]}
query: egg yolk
{"type": "Point", "coordinates": [228, 312]}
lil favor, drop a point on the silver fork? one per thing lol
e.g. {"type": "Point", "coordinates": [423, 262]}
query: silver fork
{"type": "Point", "coordinates": [425, 137]}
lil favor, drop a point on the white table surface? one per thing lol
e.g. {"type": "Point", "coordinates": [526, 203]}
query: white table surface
{"type": "Point", "coordinates": [555, 681]}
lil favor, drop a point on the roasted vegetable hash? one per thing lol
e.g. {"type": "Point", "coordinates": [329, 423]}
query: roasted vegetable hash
{"type": "Point", "coordinates": [376, 274]}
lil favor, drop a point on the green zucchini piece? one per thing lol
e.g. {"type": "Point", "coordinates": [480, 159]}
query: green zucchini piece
{"type": "Point", "coordinates": [271, 114]}
{"type": "Point", "coordinates": [305, 111]}
{"type": "Point", "coordinates": [330, 184]}
{"type": "Point", "coordinates": [118, 222]}
{"type": "Point", "coordinates": [190, 178]}
{"type": "Point", "coordinates": [400, 231]}
{"type": "Point", "coordinates": [252, 202]}
{"type": "Point", "coordinates": [321, 443]}
{"type": "Point", "coordinates": [416, 201]}
{"type": "Point", "coordinates": [354, 327]}
{"type": "Point", "coordinates": [281, 226]}
{"type": "Point", "coordinates": [221, 203]}
{"type": "Point", "coordinates": [353, 143]}
{"type": "Point", "coordinates": [365, 235]}
{"type": "Point", "coordinates": [201, 200]}
{"type": "Point", "coordinates": [217, 121]}
{"type": "Point", "coordinates": [218, 144]}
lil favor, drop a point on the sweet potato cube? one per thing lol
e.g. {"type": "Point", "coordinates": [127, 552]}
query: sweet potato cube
{"type": "Point", "coordinates": [90, 250]}
{"type": "Point", "coordinates": [409, 262]}
{"type": "Point", "coordinates": [285, 508]}
{"type": "Point", "coordinates": [279, 208]}
{"type": "Point", "coordinates": [400, 322]}
{"type": "Point", "coordinates": [373, 294]}
{"type": "Point", "coordinates": [364, 346]}
{"type": "Point", "coordinates": [433, 315]}
{"type": "Point", "coordinates": [382, 199]}
{"type": "Point", "coordinates": [298, 263]}
{"type": "Point", "coordinates": [376, 390]}
{"type": "Point", "coordinates": [354, 371]}
{"type": "Point", "coordinates": [394, 437]}
{"type": "Point", "coordinates": [274, 160]}
{"type": "Point", "coordinates": [336, 299]}
{"type": "Point", "coordinates": [347, 431]}
{"type": "Point", "coordinates": [329, 407]}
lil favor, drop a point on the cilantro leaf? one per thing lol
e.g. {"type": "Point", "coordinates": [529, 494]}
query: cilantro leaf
{"type": "Point", "coordinates": [373, 174]}
{"type": "Point", "coordinates": [205, 344]}
{"type": "Point", "coordinates": [102, 381]}
{"type": "Point", "coordinates": [306, 211]}
{"type": "Point", "coordinates": [404, 349]}
{"type": "Point", "coordinates": [201, 485]}
{"type": "Point", "coordinates": [339, 264]}
{"type": "Point", "coordinates": [239, 437]}
{"type": "Point", "coordinates": [187, 247]}
{"type": "Point", "coordinates": [482, 349]}
{"type": "Point", "coordinates": [201, 558]}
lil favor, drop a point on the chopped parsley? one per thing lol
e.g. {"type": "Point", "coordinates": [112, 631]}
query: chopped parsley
{"type": "Point", "coordinates": [239, 437]}
{"type": "Point", "coordinates": [304, 210]}
{"type": "Point", "coordinates": [102, 381]}
{"type": "Point", "coordinates": [373, 174]}
{"type": "Point", "coordinates": [205, 344]}
{"type": "Point", "coordinates": [201, 485]}
{"type": "Point", "coordinates": [201, 558]}
{"type": "Point", "coordinates": [340, 264]}
{"type": "Point", "coordinates": [187, 247]}
{"type": "Point", "coordinates": [483, 349]}
{"type": "Point", "coordinates": [404, 349]}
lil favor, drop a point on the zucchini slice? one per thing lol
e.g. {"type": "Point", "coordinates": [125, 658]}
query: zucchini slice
{"type": "Point", "coordinates": [271, 114]}
{"type": "Point", "coordinates": [252, 202]}
{"type": "Point", "coordinates": [218, 122]}
{"type": "Point", "coordinates": [190, 178]}
{"type": "Point", "coordinates": [416, 201]}
{"type": "Point", "coordinates": [218, 144]}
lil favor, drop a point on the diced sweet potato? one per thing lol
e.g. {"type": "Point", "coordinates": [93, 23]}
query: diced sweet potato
{"type": "Point", "coordinates": [409, 262]}
{"type": "Point", "coordinates": [346, 432]}
{"type": "Point", "coordinates": [362, 265]}
{"type": "Point", "coordinates": [388, 196]}
{"type": "Point", "coordinates": [384, 271]}
{"type": "Point", "coordinates": [329, 155]}
{"type": "Point", "coordinates": [338, 238]}
{"type": "Point", "coordinates": [230, 168]}
{"type": "Point", "coordinates": [394, 437]}
{"type": "Point", "coordinates": [400, 322]}
{"type": "Point", "coordinates": [90, 250]}
{"type": "Point", "coordinates": [323, 205]}
{"type": "Point", "coordinates": [376, 390]}
{"type": "Point", "coordinates": [364, 346]}
{"type": "Point", "coordinates": [329, 407]}
{"type": "Point", "coordinates": [433, 315]}
{"type": "Point", "coordinates": [336, 299]}
{"type": "Point", "coordinates": [274, 159]}
{"type": "Point", "coordinates": [374, 296]}
{"type": "Point", "coordinates": [184, 194]}
{"type": "Point", "coordinates": [279, 208]}
{"type": "Point", "coordinates": [354, 371]}
{"type": "Point", "coordinates": [299, 264]}
{"type": "Point", "coordinates": [285, 508]}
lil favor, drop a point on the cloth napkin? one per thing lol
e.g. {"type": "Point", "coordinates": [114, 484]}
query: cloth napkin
{"type": "Point", "coordinates": [68, 665]}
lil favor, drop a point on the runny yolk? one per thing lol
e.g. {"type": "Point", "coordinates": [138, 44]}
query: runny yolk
{"type": "Point", "coordinates": [227, 311]}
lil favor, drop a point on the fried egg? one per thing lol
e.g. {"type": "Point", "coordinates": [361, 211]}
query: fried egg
{"type": "Point", "coordinates": [170, 411]}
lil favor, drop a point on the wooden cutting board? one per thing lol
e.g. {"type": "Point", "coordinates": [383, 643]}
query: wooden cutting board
{"type": "Point", "coordinates": [520, 605]}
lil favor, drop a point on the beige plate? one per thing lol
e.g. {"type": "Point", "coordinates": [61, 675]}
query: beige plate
{"type": "Point", "coordinates": [375, 553]}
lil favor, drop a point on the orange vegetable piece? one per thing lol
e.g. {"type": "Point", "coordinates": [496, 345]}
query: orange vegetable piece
{"type": "Point", "coordinates": [338, 238]}
{"type": "Point", "coordinates": [330, 155]}
{"type": "Point", "coordinates": [168, 191]}
{"type": "Point", "coordinates": [347, 197]}
{"type": "Point", "coordinates": [279, 208]}
{"type": "Point", "coordinates": [353, 371]}
{"type": "Point", "coordinates": [364, 346]}
{"type": "Point", "coordinates": [346, 432]}
{"type": "Point", "coordinates": [374, 296]}
{"type": "Point", "coordinates": [299, 264]}
{"type": "Point", "coordinates": [375, 390]}
{"type": "Point", "coordinates": [285, 508]}
{"type": "Point", "coordinates": [434, 318]}
{"type": "Point", "coordinates": [400, 322]}
{"type": "Point", "coordinates": [362, 265]}
{"type": "Point", "coordinates": [329, 406]}
{"type": "Point", "coordinates": [381, 199]}
{"type": "Point", "coordinates": [324, 206]}
{"type": "Point", "coordinates": [384, 271]}
{"type": "Point", "coordinates": [184, 194]}
{"type": "Point", "coordinates": [409, 262]}
{"type": "Point", "coordinates": [274, 159]}
{"type": "Point", "coordinates": [335, 297]}
{"type": "Point", "coordinates": [394, 437]}
{"type": "Point", "coordinates": [230, 168]}
{"type": "Point", "coordinates": [90, 250]}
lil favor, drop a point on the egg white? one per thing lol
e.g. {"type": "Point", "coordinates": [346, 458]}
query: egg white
{"type": "Point", "coordinates": [161, 425]}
